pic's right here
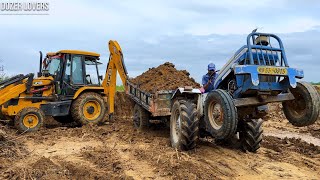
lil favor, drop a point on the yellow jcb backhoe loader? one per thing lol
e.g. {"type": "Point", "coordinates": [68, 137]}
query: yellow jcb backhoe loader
{"type": "Point", "coordinates": [68, 87]}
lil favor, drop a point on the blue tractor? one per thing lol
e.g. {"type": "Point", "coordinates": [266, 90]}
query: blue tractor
{"type": "Point", "coordinates": [257, 74]}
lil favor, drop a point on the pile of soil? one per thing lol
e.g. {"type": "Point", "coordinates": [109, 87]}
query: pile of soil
{"type": "Point", "coordinates": [318, 89]}
{"type": "Point", "coordinates": [123, 106]}
{"type": "Point", "coordinates": [164, 77]}
{"type": "Point", "coordinates": [286, 144]}
{"type": "Point", "coordinates": [10, 150]}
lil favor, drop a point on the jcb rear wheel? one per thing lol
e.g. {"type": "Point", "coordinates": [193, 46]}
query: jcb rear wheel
{"type": "Point", "coordinates": [29, 119]}
{"type": "Point", "coordinates": [88, 108]}
{"type": "Point", "coordinates": [304, 109]}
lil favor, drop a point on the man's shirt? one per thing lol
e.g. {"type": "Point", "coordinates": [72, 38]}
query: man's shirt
{"type": "Point", "coordinates": [205, 80]}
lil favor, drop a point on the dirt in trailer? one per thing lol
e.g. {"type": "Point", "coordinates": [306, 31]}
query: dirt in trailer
{"type": "Point", "coordinates": [116, 150]}
{"type": "Point", "coordinates": [164, 77]}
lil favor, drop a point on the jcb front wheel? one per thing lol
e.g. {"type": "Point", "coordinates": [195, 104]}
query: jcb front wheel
{"type": "Point", "coordinates": [29, 119]}
{"type": "Point", "coordinates": [88, 108]}
{"type": "Point", "coordinates": [304, 109]}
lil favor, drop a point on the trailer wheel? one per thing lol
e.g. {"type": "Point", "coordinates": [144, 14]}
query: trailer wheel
{"type": "Point", "coordinates": [304, 109]}
{"type": "Point", "coordinates": [29, 119]}
{"type": "Point", "coordinates": [88, 108]}
{"type": "Point", "coordinates": [184, 125]}
{"type": "Point", "coordinates": [221, 117]}
{"type": "Point", "coordinates": [251, 134]}
{"type": "Point", "coordinates": [140, 117]}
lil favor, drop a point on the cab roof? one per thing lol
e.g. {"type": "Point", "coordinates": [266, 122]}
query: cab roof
{"type": "Point", "coordinates": [79, 52]}
{"type": "Point", "coordinates": [51, 53]}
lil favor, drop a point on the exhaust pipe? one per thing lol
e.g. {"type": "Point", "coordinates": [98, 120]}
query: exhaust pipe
{"type": "Point", "coordinates": [40, 65]}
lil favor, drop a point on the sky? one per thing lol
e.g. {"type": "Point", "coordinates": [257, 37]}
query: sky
{"type": "Point", "coordinates": [190, 34]}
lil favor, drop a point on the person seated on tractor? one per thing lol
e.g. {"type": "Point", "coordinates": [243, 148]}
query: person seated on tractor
{"type": "Point", "coordinates": [209, 78]}
{"type": "Point", "coordinates": [262, 40]}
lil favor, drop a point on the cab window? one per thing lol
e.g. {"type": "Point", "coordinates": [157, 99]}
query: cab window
{"type": "Point", "coordinates": [52, 65]}
{"type": "Point", "coordinates": [91, 71]}
{"type": "Point", "coordinates": [77, 70]}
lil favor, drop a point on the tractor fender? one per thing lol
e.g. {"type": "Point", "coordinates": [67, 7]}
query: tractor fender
{"type": "Point", "coordinates": [187, 93]}
{"type": "Point", "coordinates": [181, 91]}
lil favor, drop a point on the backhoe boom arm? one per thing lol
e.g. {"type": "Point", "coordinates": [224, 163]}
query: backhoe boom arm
{"type": "Point", "coordinates": [115, 64]}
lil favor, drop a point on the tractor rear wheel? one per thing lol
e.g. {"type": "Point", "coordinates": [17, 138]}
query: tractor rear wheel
{"type": "Point", "coordinates": [220, 115]}
{"type": "Point", "coordinates": [251, 134]}
{"type": "Point", "coordinates": [304, 109]}
{"type": "Point", "coordinates": [184, 125]}
{"type": "Point", "coordinates": [29, 119]}
{"type": "Point", "coordinates": [140, 117]}
{"type": "Point", "coordinates": [88, 108]}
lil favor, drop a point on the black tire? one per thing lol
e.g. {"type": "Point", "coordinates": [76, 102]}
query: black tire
{"type": "Point", "coordinates": [2, 117]}
{"type": "Point", "coordinates": [95, 111]}
{"type": "Point", "coordinates": [64, 119]}
{"type": "Point", "coordinates": [29, 119]}
{"type": "Point", "coordinates": [304, 109]}
{"type": "Point", "coordinates": [251, 135]}
{"type": "Point", "coordinates": [220, 115]}
{"type": "Point", "coordinates": [184, 125]}
{"type": "Point", "coordinates": [6, 119]}
{"type": "Point", "coordinates": [140, 117]}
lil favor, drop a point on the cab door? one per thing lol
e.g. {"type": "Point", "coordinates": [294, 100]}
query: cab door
{"type": "Point", "coordinates": [74, 75]}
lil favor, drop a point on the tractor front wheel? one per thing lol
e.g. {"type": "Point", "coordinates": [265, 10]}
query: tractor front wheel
{"type": "Point", "coordinates": [220, 115]}
{"type": "Point", "coordinates": [29, 119]}
{"type": "Point", "coordinates": [304, 109]}
{"type": "Point", "coordinates": [88, 108]}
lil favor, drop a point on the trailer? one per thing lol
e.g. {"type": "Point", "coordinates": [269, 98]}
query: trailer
{"type": "Point", "coordinates": [175, 106]}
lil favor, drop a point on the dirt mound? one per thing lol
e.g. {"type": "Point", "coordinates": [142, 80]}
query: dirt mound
{"type": "Point", "coordinates": [9, 147]}
{"type": "Point", "coordinates": [290, 144]}
{"type": "Point", "coordinates": [317, 88]}
{"type": "Point", "coordinates": [164, 77]}
{"type": "Point", "coordinates": [11, 150]}
{"type": "Point", "coordinates": [123, 106]}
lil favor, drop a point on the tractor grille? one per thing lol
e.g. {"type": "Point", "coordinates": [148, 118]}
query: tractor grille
{"type": "Point", "coordinates": [267, 78]}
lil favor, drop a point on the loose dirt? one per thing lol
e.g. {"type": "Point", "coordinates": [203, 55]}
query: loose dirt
{"type": "Point", "coordinates": [317, 88]}
{"type": "Point", "coordinates": [116, 150]}
{"type": "Point", "coordinates": [164, 77]}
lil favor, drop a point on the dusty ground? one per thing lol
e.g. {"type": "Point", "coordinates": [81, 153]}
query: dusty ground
{"type": "Point", "coordinates": [164, 77]}
{"type": "Point", "coordinates": [116, 151]}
